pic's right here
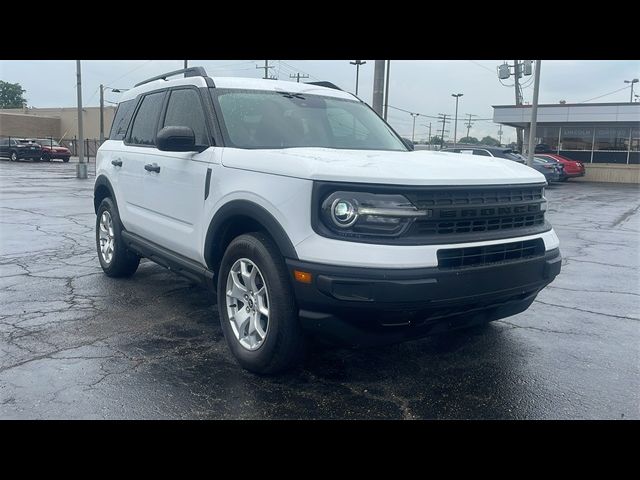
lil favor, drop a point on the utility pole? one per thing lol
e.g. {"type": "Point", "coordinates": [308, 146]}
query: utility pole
{"type": "Point", "coordinates": [534, 115]}
{"type": "Point", "coordinates": [378, 87]}
{"type": "Point", "coordinates": [443, 119]}
{"type": "Point", "coordinates": [635, 80]}
{"type": "Point", "coordinates": [516, 76]}
{"type": "Point", "coordinates": [357, 63]}
{"type": "Point", "coordinates": [186, 64]}
{"type": "Point", "coordinates": [469, 124]}
{"type": "Point", "coordinates": [413, 132]}
{"type": "Point", "coordinates": [298, 76]}
{"type": "Point", "coordinates": [81, 168]}
{"type": "Point", "coordinates": [455, 126]}
{"type": "Point", "coordinates": [500, 134]}
{"type": "Point", "coordinates": [386, 91]}
{"type": "Point", "coordinates": [266, 69]}
{"type": "Point", "coordinates": [429, 133]}
{"type": "Point", "coordinates": [101, 114]}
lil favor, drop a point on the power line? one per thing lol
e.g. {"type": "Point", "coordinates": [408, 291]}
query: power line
{"type": "Point", "coordinates": [483, 66]}
{"type": "Point", "coordinates": [606, 94]}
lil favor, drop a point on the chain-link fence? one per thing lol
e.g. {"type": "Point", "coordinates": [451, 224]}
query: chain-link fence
{"type": "Point", "coordinates": [91, 145]}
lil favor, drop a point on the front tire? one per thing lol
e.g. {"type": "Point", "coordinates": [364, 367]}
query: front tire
{"type": "Point", "coordinates": [258, 313]}
{"type": "Point", "coordinates": [115, 259]}
{"type": "Point", "coordinates": [13, 157]}
{"type": "Point", "coordinates": [45, 158]}
{"type": "Point", "coordinates": [65, 160]}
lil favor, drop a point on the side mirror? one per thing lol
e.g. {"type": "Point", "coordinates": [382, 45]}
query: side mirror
{"type": "Point", "coordinates": [408, 143]}
{"type": "Point", "coordinates": [177, 139]}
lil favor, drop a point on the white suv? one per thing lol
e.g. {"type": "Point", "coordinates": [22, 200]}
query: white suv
{"type": "Point", "coordinates": [312, 217]}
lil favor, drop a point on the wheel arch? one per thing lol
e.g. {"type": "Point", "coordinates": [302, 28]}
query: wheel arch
{"type": "Point", "coordinates": [101, 190]}
{"type": "Point", "coordinates": [238, 217]}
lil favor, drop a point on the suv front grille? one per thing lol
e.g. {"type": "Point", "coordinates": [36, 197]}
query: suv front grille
{"type": "Point", "coordinates": [477, 210]}
{"type": "Point", "coordinates": [456, 258]}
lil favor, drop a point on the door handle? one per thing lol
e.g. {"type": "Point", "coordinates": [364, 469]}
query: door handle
{"type": "Point", "coordinates": [152, 167]}
{"type": "Point", "coordinates": [116, 163]}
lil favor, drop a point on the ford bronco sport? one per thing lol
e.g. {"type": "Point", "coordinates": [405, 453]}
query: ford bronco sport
{"type": "Point", "coordinates": [310, 216]}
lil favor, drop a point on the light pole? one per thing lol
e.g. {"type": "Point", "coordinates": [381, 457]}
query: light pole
{"type": "Point", "coordinates": [534, 115]}
{"type": "Point", "coordinates": [635, 80]}
{"type": "Point", "coordinates": [413, 133]}
{"type": "Point", "coordinates": [102, 89]}
{"type": "Point", "coordinates": [81, 168]}
{"type": "Point", "coordinates": [357, 63]}
{"type": "Point", "coordinates": [455, 125]}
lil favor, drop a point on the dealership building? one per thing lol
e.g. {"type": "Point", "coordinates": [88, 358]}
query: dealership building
{"type": "Point", "coordinates": [604, 136]}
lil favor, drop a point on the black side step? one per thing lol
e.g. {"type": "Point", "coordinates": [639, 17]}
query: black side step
{"type": "Point", "coordinates": [168, 259]}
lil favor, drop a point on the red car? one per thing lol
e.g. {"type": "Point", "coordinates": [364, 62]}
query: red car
{"type": "Point", "coordinates": [571, 167]}
{"type": "Point", "coordinates": [52, 149]}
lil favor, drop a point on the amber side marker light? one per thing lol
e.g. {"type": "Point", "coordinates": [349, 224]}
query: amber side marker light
{"type": "Point", "coordinates": [302, 277]}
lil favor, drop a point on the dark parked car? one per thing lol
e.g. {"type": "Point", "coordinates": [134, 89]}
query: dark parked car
{"type": "Point", "coordinates": [552, 172]}
{"type": "Point", "coordinates": [487, 151]}
{"type": "Point", "coordinates": [52, 149]}
{"type": "Point", "coordinates": [19, 148]}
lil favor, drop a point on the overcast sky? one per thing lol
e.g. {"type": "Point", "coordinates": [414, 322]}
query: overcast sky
{"type": "Point", "coordinates": [420, 86]}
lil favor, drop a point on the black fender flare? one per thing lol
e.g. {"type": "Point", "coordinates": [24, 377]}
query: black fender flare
{"type": "Point", "coordinates": [254, 211]}
{"type": "Point", "coordinates": [103, 181]}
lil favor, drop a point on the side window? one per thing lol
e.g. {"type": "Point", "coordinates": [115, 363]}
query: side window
{"type": "Point", "coordinates": [482, 153]}
{"type": "Point", "coordinates": [143, 130]}
{"type": "Point", "coordinates": [4, 142]}
{"type": "Point", "coordinates": [121, 120]}
{"type": "Point", "coordinates": [464, 151]}
{"type": "Point", "coordinates": [185, 110]}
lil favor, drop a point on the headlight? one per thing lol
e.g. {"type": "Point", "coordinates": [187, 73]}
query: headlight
{"type": "Point", "coordinates": [360, 213]}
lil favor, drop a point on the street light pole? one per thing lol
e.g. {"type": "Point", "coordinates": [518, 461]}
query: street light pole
{"type": "Point", "coordinates": [455, 125]}
{"type": "Point", "coordinates": [534, 115]}
{"type": "Point", "coordinates": [101, 114]}
{"type": "Point", "coordinates": [81, 168]}
{"type": "Point", "coordinates": [386, 90]}
{"type": "Point", "coordinates": [635, 80]}
{"type": "Point", "coordinates": [413, 133]}
{"type": "Point", "coordinates": [357, 63]}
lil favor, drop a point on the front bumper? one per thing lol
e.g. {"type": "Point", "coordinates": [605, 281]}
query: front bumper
{"type": "Point", "coordinates": [367, 306]}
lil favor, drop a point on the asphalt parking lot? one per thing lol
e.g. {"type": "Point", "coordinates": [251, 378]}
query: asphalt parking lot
{"type": "Point", "coordinates": [77, 344]}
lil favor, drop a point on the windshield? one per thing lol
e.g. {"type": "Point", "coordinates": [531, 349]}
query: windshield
{"type": "Point", "coordinates": [261, 119]}
{"type": "Point", "coordinates": [49, 142]}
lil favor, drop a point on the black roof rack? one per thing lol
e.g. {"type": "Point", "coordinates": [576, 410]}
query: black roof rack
{"type": "Point", "coordinates": [188, 72]}
{"type": "Point", "coordinates": [325, 84]}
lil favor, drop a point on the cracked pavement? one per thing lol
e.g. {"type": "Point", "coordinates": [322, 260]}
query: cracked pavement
{"type": "Point", "coordinates": [77, 344]}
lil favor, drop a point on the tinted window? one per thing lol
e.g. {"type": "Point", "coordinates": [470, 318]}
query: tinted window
{"type": "Point", "coordinates": [185, 110]}
{"type": "Point", "coordinates": [121, 120]}
{"type": "Point", "coordinates": [143, 131]}
{"type": "Point", "coordinates": [482, 153]}
{"type": "Point", "coordinates": [4, 141]}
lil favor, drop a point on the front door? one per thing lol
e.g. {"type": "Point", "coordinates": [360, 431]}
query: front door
{"type": "Point", "coordinates": [174, 182]}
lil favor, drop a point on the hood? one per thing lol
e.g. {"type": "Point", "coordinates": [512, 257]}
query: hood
{"type": "Point", "coordinates": [383, 167]}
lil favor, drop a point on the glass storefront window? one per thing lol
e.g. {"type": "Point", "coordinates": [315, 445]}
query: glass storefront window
{"type": "Point", "coordinates": [576, 138]}
{"type": "Point", "coordinates": [612, 139]}
{"type": "Point", "coordinates": [548, 136]}
{"type": "Point", "coordinates": [635, 139]}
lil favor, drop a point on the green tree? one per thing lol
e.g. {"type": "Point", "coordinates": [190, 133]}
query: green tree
{"type": "Point", "coordinates": [11, 95]}
{"type": "Point", "coordinates": [436, 140]}
{"type": "Point", "coordinates": [490, 141]}
{"type": "Point", "coordinates": [472, 140]}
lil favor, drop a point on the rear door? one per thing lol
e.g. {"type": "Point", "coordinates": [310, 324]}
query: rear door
{"type": "Point", "coordinates": [139, 150]}
{"type": "Point", "coordinates": [174, 195]}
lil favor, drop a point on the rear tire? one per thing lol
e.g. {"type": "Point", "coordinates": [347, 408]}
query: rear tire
{"type": "Point", "coordinates": [45, 158]}
{"type": "Point", "coordinates": [65, 160]}
{"type": "Point", "coordinates": [13, 156]}
{"type": "Point", "coordinates": [115, 259]}
{"type": "Point", "coordinates": [284, 343]}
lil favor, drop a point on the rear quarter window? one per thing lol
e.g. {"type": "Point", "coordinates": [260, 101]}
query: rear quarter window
{"type": "Point", "coordinates": [121, 120]}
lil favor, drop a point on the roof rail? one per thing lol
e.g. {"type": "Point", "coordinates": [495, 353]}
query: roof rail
{"type": "Point", "coordinates": [188, 72]}
{"type": "Point", "coordinates": [325, 84]}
